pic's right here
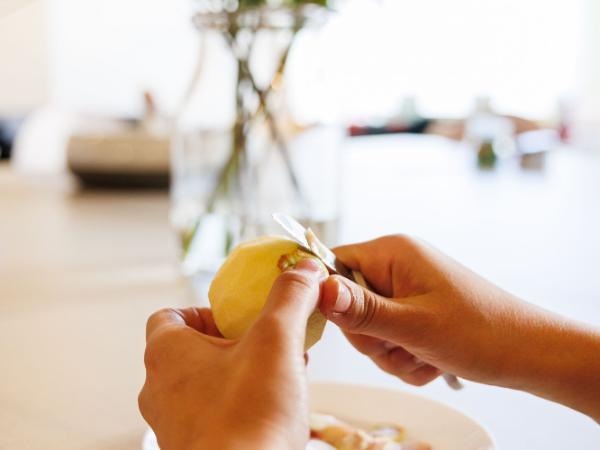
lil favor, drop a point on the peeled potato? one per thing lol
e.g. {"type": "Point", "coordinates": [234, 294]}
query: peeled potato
{"type": "Point", "coordinates": [242, 284]}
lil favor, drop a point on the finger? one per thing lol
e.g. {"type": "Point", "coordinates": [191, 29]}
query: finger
{"type": "Point", "coordinates": [199, 319]}
{"type": "Point", "coordinates": [389, 357]}
{"type": "Point", "coordinates": [360, 311]}
{"type": "Point", "coordinates": [292, 299]}
{"type": "Point", "coordinates": [371, 262]}
{"type": "Point", "coordinates": [421, 376]}
{"type": "Point", "coordinates": [393, 265]}
{"type": "Point", "coordinates": [360, 256]}
{"type": "Point", "coordinates": [367, 345]}
{"type": "Point", "coordinates": [397, 361]}
{"type": "Point", "coordinates": [350, 254]}
{"type": "Point", "coordinates": [163, 318]}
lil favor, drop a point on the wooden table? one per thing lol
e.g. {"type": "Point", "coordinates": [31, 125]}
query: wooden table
{"type": "Point", "coordinates": [80, 272]}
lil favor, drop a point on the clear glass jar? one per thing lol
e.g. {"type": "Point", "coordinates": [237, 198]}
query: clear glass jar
{"type": "Point", "coordinates": [237, 156]}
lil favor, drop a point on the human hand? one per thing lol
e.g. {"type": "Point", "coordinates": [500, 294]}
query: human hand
{"type": "Point", "coordinates": [204, 391]}
{"type": "Point", "coordinates": [431, 314]}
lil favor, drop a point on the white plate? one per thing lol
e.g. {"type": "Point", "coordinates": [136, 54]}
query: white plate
{"type": "Point", "coordinates": [441, 426]}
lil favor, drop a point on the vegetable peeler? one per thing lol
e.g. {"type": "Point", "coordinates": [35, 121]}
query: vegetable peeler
{"type": "Point", "coordinates": [309, 242]}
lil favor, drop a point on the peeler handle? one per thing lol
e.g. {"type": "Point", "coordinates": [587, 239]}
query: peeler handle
{"type": "Point", "coordinates": [451, 380]}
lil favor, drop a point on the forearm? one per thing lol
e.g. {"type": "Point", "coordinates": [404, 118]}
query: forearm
{"type": "Point", "coordinates": [559, 360]}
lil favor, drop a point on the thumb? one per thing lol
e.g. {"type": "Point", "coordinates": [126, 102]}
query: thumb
{"type": "Point", "coordinates": [360, 311]}
{"type": "Point", "coordinates": [293, 298]}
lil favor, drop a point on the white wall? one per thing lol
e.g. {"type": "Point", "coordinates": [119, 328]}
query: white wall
{"type": "Point", "coordinates": [587, 112]}
{"type": "Point", "coordinates": [104, 53]}
{"type": "Point", "coordinates": [24, 70]}
{"type": "Point", "coordinates": [590, 76]}
{"type": "Point", "coordinates": [107, 52]}
{"type": "Point", "coordinates": [523, 54]}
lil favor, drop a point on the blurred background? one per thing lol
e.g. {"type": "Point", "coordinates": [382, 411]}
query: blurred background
{"type": "Point", "coordinates": [535, 59]}
{"type": "Point", "coordinates": [139, 143]}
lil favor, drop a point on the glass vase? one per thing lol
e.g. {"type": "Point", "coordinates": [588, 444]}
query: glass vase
{"type": "Point", "coordinates": [229, 175]}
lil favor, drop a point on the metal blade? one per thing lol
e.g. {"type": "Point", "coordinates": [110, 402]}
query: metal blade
{"type": "Point", "coordinates": [310, 242]}
{"type": "Point", "coordinates": [326, 255]}
{"type": "Point", "coordinates": [294, 229]}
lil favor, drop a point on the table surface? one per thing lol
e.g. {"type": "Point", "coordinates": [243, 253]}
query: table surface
{"type": "Point", "coordinates": [82, 270]}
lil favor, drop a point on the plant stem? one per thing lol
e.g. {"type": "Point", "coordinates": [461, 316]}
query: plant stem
{"type": "Point", "coordinates": [235, 163]}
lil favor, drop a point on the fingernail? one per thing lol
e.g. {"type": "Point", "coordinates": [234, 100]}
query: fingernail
{"type": "Point", "coordinates": [343, 299]}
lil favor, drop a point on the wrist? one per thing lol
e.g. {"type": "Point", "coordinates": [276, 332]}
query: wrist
{"type": "Point", "coordinates": [560, 361]}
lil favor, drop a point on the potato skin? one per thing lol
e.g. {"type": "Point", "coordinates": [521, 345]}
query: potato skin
{"type": "Point", "coordinates": [241, 286]}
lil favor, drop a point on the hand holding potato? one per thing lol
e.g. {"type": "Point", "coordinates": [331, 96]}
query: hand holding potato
{"type": "Point", "coordinates": [203, 391]}
{"type": "Point", "coordinates": [241, 286]}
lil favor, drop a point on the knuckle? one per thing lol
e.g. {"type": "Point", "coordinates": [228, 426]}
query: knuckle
{"type": "Point", "coordinates": [146, 406]}
{"type": "Point", "coordinates": [143, 402]}
{"type": "Point", "coordinates": [401, 237]}
{"type": "Point", "coordinates": [160, 347]}
{"type": "Point", "coordinates": [150, 359]}
{"type": "Point", "coordinates": [368, 308]}
{"type": "Point", "coordinates": [405, 241]}
{"type": "Point", "coordinates": [160, 312]}
{"type": "Point", "coordinates": [155, 317]}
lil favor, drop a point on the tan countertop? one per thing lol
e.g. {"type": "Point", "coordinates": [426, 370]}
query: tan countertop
{"type": "Point", "coordinates": [80, 273]}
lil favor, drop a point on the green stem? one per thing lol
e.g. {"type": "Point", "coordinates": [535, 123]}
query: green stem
{"type": "Point", "coordinates": [232, 164]}
{"type": "Point", "coordinates": [236, 160]}
{"type": "Point", "coordinates": [271, 122]}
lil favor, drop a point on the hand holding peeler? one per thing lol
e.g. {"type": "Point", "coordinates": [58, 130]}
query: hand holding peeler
{"type": "Point", "coordinates": [311, 244]}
